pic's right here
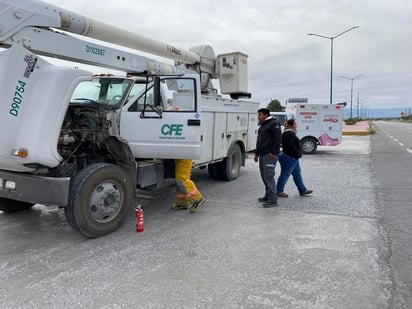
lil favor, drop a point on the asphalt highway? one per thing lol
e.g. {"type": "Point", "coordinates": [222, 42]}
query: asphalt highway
{"type": "Point", "coordinates": [392, 163]}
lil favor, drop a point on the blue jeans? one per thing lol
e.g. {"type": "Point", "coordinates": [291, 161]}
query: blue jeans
{"type": "Point", "coordinates": [290, 166]}
{"type": "Point", "coordinates": [267, 172]}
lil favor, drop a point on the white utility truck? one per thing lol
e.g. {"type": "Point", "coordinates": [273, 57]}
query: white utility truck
{"type": "Point", "coordinates": [86, 143]}
{"type": "Point", "coordinates": [318, 124]}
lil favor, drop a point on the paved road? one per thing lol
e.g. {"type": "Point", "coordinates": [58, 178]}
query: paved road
{"type": "Point", "coordinates": [392, 162]}
{"type": "Point", "coordinates": [399, 132]}
{"type": "Point", "coordinates": [328, 250]}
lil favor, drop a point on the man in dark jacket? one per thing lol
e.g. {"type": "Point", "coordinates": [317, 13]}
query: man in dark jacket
{"type": "Point", "coordinates": [267, 151]}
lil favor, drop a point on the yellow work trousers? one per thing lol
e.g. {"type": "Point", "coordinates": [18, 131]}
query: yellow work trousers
{"type": "Point", "coordinates": [187, 193]}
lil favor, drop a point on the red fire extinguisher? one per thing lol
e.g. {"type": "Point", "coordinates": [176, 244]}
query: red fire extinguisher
{"type": "Point", "coordinates": [139, 219]}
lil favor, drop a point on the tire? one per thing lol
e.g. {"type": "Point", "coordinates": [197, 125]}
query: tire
{"type": "Point", "coordinates": [11, 206]}
{"type": "Point", "coordinates": [100, 198]}
{"type": "Point", "coordinates": [309, 145]}
{"type": "Point", "coordinates": [214, 170]}
{"type": "Point", "coordinates": [231, 164]}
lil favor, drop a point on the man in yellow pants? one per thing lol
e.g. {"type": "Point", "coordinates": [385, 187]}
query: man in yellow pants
{"type": "Point", "coordinates": [188, 196]}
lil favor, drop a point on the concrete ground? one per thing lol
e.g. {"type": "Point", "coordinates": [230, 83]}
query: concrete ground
{"type": "Point", "coordinates": [319, 251]}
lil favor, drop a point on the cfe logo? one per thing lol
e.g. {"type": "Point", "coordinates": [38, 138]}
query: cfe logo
{"type": "Point", "coordinates": [172, 130]}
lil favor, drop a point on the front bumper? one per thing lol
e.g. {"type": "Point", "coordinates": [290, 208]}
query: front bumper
{"type": "Point", "coordinates": [34, 189]}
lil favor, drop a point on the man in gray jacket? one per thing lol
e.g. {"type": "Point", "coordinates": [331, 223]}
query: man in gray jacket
{"type": "Point", "coordinates": [267, 151]}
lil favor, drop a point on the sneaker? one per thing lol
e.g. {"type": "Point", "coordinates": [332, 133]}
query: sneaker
{"type": "Point", "coordinates": [196, 205]}
{"type": "Point", "coordinates": [270, 204]}
{"type": "Point", "coordinates": [307, 192]}
{"type": "Point", "coordinates": [283, 194]}
{"type": "Point", "coordinates": [263, 199]}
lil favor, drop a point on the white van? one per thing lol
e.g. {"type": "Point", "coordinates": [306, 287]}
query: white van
{"type": "Point", "coordinates": [318, 124]}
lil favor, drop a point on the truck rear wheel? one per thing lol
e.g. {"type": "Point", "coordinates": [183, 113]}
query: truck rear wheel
{"type": "Point", "coordinates": [99, 200]}
{"type": "Point", "coordinates": [10, 206]}
{"type": "Point", "coordinates": [309, 145]}
{"type": "Point", "coordinates": [232, 163]}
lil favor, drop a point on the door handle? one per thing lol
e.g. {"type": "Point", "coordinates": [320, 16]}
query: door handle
{"type": "Point", "coordinates": [193, 122]}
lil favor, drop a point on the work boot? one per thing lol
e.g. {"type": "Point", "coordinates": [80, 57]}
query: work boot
{"type": "Point", "coordinates": [270, 204]}
{"type": "Point", "coordinates": [263, 199]}
{"type": "Point", "coordinates": [176, 206]}
{"type": "Point", "coordinates": [196, 205]}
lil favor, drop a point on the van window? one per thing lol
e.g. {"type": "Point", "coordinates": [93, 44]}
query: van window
{"type": "Point", "coordinates": [281, 118]}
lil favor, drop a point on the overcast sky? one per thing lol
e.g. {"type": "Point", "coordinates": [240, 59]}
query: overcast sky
{"type": "Point", "coordinates": [284, 62]}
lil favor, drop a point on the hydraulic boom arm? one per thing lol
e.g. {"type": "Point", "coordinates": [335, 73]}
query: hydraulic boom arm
{"type": "Point", "coordinates": [45, 29]}
{"type": "Point", "coordinates": [18, 16]}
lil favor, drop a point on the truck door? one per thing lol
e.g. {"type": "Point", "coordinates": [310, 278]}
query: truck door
{"type": "Point", "coordinates": [169, 131]}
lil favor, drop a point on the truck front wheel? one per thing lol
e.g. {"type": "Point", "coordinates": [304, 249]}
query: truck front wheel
{"type": "Point", "coordinates": [309, 145]}
{"type": "Point", "coordinates": [232, 163]}
{"type": "Point", "coordinates": [11, 206]}
{"type": "Point", "coordinates": [99, 200]}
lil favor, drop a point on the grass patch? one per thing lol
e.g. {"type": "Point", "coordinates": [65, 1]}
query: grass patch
{"type": "Point", "coordinates": [352, 121]}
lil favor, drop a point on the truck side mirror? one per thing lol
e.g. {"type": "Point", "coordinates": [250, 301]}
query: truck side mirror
{"type": "Point", "coordinates": [157, 98]}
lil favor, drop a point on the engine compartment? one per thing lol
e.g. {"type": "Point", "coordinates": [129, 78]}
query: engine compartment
{"type": "Point", "coordinates": [82, 138]}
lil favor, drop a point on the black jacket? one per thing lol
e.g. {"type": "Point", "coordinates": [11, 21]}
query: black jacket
{"type": "Point", "coordinates": [291, 144]}
{"type": "Point", "coordinates": [269, 137]}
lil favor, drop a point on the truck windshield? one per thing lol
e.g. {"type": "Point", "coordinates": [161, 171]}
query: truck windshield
{"type": "Point", "coordinates": [103, 90]}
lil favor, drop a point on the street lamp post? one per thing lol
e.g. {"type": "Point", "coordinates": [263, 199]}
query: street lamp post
{"type": "Point", "coordinates": [331, 54]}
{"type": "Point", "coordinates": [351, 91]}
